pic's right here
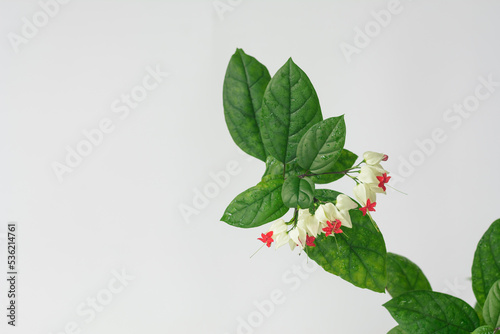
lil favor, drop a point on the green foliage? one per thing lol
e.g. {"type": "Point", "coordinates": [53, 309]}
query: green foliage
{"type": "Point", "coordinates": [278, 120]}
{"type": "Point", "coordinates": [289, 108]}
{"type": "Point", "coordinates": [326, 195]}
{"type": "Point", "coordinates": [432, 312]}
{"type": "Point", "coordinates": [491, 308]}
{"type": "Point", "coordinates": [298, 192]}
{"type": "Point", "coordinates": [244, 85]}
{"type": "Point", "coordinates": [345, 161]}
{"type": "Point", "coordinates": [358, 257]}
{"type": "Point", "coordinates": [479, 311]}
{"type": "Point", "coordinates": [486, 265]}
{"type": "Point", "coordinates": [484, 330]}
{"type": "Point", "coordinates": [273, 168]}
{"type": "Point", "coordinates": [404, 275]}
{"type": "Point", "coordinates": [321, 145]}
{"type": "Point", "coordinates": [256, 206]}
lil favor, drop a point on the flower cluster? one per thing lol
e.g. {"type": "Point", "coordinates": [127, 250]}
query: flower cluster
{"type": "Point", "coordinates": [328, 219]}
{"type": "Point", "coordinates": [372, 179]}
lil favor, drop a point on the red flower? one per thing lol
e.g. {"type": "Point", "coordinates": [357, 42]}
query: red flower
{"type": "Point", "coordinates": [369, 206]}
{"type": "Point", "coordinates": [310, 241]}
{"type": "Point", "coordinates": [383, 180]}
{"type": "Point", "coordinates": [335, 227]}
{"type": "Point", "coordinates": [267, 238]}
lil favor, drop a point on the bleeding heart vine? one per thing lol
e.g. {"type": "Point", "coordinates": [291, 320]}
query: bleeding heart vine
{"type": "Point", "coordinates": [278, 120]}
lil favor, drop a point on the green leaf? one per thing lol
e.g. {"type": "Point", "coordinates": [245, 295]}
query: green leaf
{"type": "Point", "coordinates": [321, 145]}
{"type": "Point", "coordinates": [273, 168]}
{"type": "Point", "coordinates": [289, 108]}
{"type": "Point", "coordinates": [345, 161]}
{"type": "Point", "coordinates": [484, 330]}
{"type": "Point", "coordinates": [396, 330]}
{"type": "Point", "coordinates": [491, 308]}
{"type": "Point", "coordinates": [293, 168]}
{"type": "Point", "coordinates": [326, 195]}
{"type": "Point", "coordinates": [432, 312]}
{"type": "Point", "coordinates": [256, 206]}
{"type": "Point", "coordinates": [486, 264]}
{"type": "Point", "coordinates": [479, 311]}
{"type": "Point", "coordinates": [244, 85]}
{"type": "Point", "coordinates": [298, 192]}
{"type": "Point", "coordinates": [404, 275]}
{"type": "Point", "coordinates": [359, 256]}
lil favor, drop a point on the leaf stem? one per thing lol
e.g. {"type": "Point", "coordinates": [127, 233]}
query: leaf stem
{"type": "Point", "coordinates": [304, 175]}
{"type": "Point", "coordinates": [342, 172]}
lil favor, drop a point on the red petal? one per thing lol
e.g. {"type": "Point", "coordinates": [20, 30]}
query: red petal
{"type": "Point", "coordinates": [310, 241]}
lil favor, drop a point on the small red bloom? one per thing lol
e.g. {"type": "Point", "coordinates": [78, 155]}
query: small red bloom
{"type": "Point", "coordinates": [385, 157]}
{"type": "Point", "coordinates": [328, 230]}
{"type": "Point", "coordinates": [267, 238]}
{"type": "Point", "coordinates": [369, 206]}
{"type": "Point", "coordinates": [310, 241]}
{"type": "Point", "coordinates": [383, 180]}
{"type": "Point", "coordinates": [335, 227]}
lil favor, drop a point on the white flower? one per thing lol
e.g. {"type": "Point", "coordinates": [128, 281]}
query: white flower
{"type": "Point", "coordinates": [329, 212]}
{"type": "Point", "coordinates": [370, 175]}
{"type": "Point", "coordinates": [374, 158]}
{"type": "Point", "coordinates": [344, 202]}
{"type": "Point", "coordinates": [308, 222]}
{"type": "Point", "coordinates": [280, 234]}
{"type": "Point", "coordinates": [364, 192]}
{"type": "Point", "coordinates": [297, 237]}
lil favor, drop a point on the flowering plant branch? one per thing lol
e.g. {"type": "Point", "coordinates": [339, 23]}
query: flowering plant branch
{"type": "Point", "coordinates": [279, 121]}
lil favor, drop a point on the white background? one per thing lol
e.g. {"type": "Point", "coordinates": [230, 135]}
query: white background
{"type": "Point", "coordinates": [119, 209]}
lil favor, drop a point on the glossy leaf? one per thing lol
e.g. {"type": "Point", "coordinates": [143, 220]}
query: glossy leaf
{"type": "Point", "coordinates": [298, 192]}
{"type": "Point", "coordinates": [326, 195]}
{"type": "Point", "coordinates": [404, 275]}
{"type": "Point", "coordinates": [321, 145]}
{"type": "Point", "coordinates": [491, 308]}
{"type": "Point", "coordinates": [345, 161]}
{"type": "Point", "coordinates": [358, 255]}
{"type": "Point", "coordinates": [486, 264]}
{"type": "Point", "coordinates": [432, 312]}
{"type": "Point", "coordinates": [273, 168]}
{"type": "Point", "coordinates": [293, 168]}
{"type": "Point", "coordinates": [244, 85]}
{"type": "Point", "coordinates": [256, 206]}
{"type": "Point", "coordinates": [479, 311]}
{"type": "Point", "coordinates": [289, 108]}
{"type": "Point", "coordinates": [484, 330]}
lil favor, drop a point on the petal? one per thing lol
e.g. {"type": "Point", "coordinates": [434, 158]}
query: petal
{"type": "Point", "coordinates": [308, 222]}
{"type": "Point", "coordinates": [372, 158]}
{"type": "Point", "coordinates": [362, 192]}
{"type": "Point", "coordinates": [278, 226]}
{"type": "Point", "coordinates": [344, 202]}
{"type": "Point", "coordinates": [379, 169]}
{"type": "Point", "coordinates": [345, 218]}
{"type": "Point", "coordinates": [320, 214]}
{"type": "Point", "coordinates": [368, 174]}
{"type": "Point", "coordinates": [298, 235]}
{"type": "Point", "coordinates": [340, 216]}
{"type": "Point", "coordinates": [376, 189]}
{"type": "Point", "coordinates": [324, 213]}
{"type": "Point", "coordinates": [281, 239]}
